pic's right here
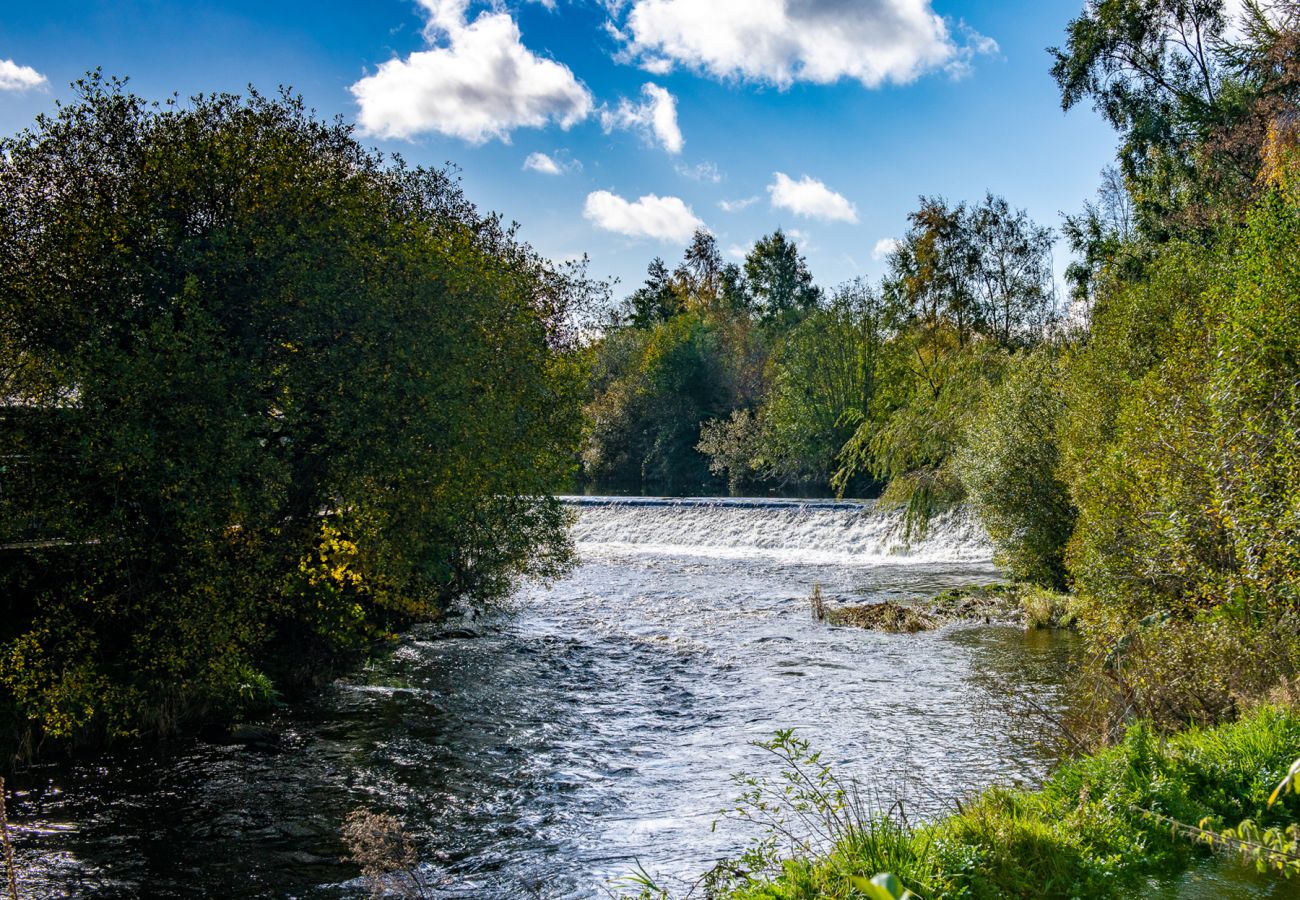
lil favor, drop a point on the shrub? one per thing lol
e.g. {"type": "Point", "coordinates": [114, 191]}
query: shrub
{"type": "Point", "coordinates": [1009, 469]}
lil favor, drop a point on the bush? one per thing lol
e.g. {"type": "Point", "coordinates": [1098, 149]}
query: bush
{"type": "Point", "coordinates": [1187, 510]}
{"type": "Point", "coordinates": [1009, 469]}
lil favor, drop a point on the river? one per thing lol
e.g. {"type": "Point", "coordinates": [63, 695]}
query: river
{"type": "Point", "coordinates": [546, 749]}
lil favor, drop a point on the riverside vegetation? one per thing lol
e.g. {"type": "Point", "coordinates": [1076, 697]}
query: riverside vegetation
{"type": "Point", "coordinates": [255, 423]}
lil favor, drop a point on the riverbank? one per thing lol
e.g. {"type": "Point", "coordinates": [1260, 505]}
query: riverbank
{"type": "Point", "coordinates": [1097, 828]}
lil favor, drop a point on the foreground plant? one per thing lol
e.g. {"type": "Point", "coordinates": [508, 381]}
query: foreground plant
{"type": "Point", "coordinates": [1274, 849]}
{"type": "Point", "coordinates": [386, 855]}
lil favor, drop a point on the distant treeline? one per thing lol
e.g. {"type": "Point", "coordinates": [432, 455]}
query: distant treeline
{"type": "Point", "coordinates": [752, 376]}
{"type": "Point", "coordinates": [267, 397]}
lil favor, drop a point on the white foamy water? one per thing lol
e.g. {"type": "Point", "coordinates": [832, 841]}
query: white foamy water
{"type": "Point", "coordinates": [813, 531]}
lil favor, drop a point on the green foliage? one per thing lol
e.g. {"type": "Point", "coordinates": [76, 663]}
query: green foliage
{"type": "Point", "coordinates": [1192, 87]}
{"type": "Point", "coordinates": [1096, 828]}
{"type": "Point", "coordinates": [1045, 608]}
{"type": "Point", "coordinates": [1255, 399]}
{"type": "Point", "coordinates": [1132, 447]}
{"type": "Point", "coordinates": [928, 390]}
{"type": "Point", "coordinates": [964, 285]}
{"type": "Point", "coordinates": [268, 396]}
{"type": "Point", "coordinates": [983, 270]}
{"type": "Point", "coordinates": [1188, 504]}
{"type": "Point", "coordinates": [824, 385]}
{"type": "Point", "coordinates": [792, 387]}
{"type": "Point", "coordinates": [1009, 468]}
{"type": "Point", "coordinates": [822, 378]}
{"type": "Point", "coordinates": [688, 351]}
{"type": "Point", "coordinates": [734, 447]}
{"type": "Point", "coordinates": [1103, 239]}
{"type": "Point", "coordinates": [778, 281]}
{"type": "Point", "coordinates": [657, 301]}
{"type": "Point", "coordinates": [644, 423]}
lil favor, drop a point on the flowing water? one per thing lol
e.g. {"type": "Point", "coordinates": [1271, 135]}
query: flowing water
{"type": "Point", "coordinates": [593, 727]}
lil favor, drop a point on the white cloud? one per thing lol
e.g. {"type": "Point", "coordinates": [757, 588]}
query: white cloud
{"type": "Point", "coordinates": [655, 116]}
{"type": "Point", "coordinates": [705, 171]}
{"type": "Point", "coordinates": [738, 251]}
{"type": "Point", "coordinates": [540, 162]}
{"type": "Point", "coordinates": [883, 248]}
{"type": "Point", "coordinates": [783, 41]}
{"type": "Point", "coordinates": [476, 82]}
{"type": "Point", "coordinates": [810, 198]}
{"type": "Point", "coordinates": [963, 61]}
{"type": "Point", "coordinates": [560, 163]}
{"type": "Point", "coordinates": [732, 206]}
{"type": "Point", "coordinates": [662, 218]}
{"type": "Point", "coordinates": [14, 77]}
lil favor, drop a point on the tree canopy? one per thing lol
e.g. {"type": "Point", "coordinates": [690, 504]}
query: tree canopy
{"type": "Point", "coordinates": [267, 396]}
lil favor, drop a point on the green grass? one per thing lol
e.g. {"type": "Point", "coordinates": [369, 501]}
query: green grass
{"type": "Point", "coordinates": [1083, 834]}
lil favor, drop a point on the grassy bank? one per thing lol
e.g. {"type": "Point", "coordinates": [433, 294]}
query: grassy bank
{"type": "Point", "coordinates": [1097, 828]}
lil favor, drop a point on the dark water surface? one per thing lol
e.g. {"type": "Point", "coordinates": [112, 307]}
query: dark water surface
{"type": "Point", "coordinates": [593, 727]}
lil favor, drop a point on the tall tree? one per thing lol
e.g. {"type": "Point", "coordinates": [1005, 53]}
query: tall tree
{"type": "Point", "coordinates": [982, 270]}
{"type": "Point", "coordinates": [656, 301]}
{"type": "Point", "coordinates": [779, 281]}
{"type": "Point", "coordinates": [1192, 90]}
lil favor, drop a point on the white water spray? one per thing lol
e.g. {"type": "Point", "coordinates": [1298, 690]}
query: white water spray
{"type": "Point", "coordinates": [845, 533]}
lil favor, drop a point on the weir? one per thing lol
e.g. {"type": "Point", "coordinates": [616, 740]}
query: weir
{"type": "Point", "coordinates": [848, 533]}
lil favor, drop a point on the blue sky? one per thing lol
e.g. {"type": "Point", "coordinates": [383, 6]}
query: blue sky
{"type": "Point", "coordinates": [642, 118]}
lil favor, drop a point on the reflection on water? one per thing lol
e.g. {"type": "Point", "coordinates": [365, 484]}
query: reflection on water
{"type": "Point", "coordinates": [596, 726]}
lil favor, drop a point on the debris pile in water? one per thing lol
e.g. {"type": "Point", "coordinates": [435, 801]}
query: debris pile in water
{"type": "Point", "coordinates": [986, 604]}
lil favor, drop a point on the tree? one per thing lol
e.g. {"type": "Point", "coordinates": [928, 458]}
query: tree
{"type": "Point", "coordinates": [1009, 466]}
{"type": "Point", "coordinates": [824, 386]}
{"type": "Point", "coordinates": [929, 270]}
{"type": "Point", "coordinates": [779, 281]}
{"type": "Point", "coordinates": [1255, 396]}
{"type": "Point", "coordinates": [1012, 273]}
{"type": "Point", "coordinates": [657, 300]}
{"type": "Point", "coordinates": [1191, 95]}
{"type": "Point", "coordinates": [1149, 66]}
{"type": "Point", "coordinates": [269, 396]}
{"type": "Point", "coordinates": [645, 419]}
{"type": "Point", "coordinates": [983, 270]}
{"type": "Point", "coordinates": [1103, 237]}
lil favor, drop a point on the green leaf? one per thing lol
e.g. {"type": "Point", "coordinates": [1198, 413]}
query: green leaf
{"type": "Point", "coordinates": [883, 887]}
